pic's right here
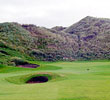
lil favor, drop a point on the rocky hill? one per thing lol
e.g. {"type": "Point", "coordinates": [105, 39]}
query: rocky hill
{"type": "Point", "coordinates": [87, 39]}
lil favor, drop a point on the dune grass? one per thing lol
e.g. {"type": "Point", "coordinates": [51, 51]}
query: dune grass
{"type": "Point", "coordinates": [85, 80]}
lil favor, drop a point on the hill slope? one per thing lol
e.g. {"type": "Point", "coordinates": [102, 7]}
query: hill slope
{"type": "Point", "coordinates": [93, 36]}
{"type": "Point", "coordinates": [52, 44]}
{"type": "Point", "coordinates": [37, 42]}
{"type": "Point", "coordinates": [87, 39]}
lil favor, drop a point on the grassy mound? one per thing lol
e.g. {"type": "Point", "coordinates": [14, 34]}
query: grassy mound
{"type": "Point", "coordinates": [23, 79]}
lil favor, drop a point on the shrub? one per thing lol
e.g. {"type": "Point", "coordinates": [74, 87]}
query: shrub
{"type": "Point", "coordinates": [1, 66]}
{"type": "Point", "coordinates": [2, 44]}
{"type": "Point", "coordinates": [37, 54]}
{"type": "Point", "coordinates": [18, 61]}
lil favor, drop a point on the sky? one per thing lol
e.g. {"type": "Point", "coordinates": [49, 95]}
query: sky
{"type": "Point", "coordinates": [50, 13]}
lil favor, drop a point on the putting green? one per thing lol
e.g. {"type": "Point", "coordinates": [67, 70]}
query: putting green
{"type": "Point", "coordinates": [82, 80]}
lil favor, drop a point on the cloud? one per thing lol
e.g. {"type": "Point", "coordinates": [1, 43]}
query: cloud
{"type": "Point", "coordinates": [50, 13]}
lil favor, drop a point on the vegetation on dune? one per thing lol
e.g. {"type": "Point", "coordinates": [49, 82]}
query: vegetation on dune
{"type": "Point", "coordinates": [86, 40]}
{"type": "Point", "coordinates": [15, 36]}
{"type": "Point", "coordinates": [7, 54]}
{"type": "Point", "coordinates": [53, 44]}
{"type": "Point", "coordinates": [18, 61]}
{"type": "Point", "coordinates": [93, 37]}
{"type": "Point", "coordinates": [36, 42]}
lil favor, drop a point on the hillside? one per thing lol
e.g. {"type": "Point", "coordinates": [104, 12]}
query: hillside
{"type": "Point", "coordinates": [52, 44]}
{"type": "Point", "coordinates": [94, 37]}
{"type": "Point", "coordinates": [87, 39]}
{"type": "Point", "coordinates": [38, 43]}
{"type": "Point", "coordinates": [14, 42]}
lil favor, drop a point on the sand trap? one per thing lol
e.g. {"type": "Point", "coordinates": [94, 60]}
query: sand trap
{"type": "Point", "coordinates": [38, 79]}
{"type": "Point", "coordinates": [29, 65]}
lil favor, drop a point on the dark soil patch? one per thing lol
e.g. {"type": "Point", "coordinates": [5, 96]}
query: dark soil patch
{"type": "Point", "coordinates": [27, 65]}
{"type": "Point", "coordinates": [38, 79]}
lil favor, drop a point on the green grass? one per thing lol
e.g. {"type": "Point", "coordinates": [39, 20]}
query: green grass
{"type": "Point", "coordinates": [68, 81]}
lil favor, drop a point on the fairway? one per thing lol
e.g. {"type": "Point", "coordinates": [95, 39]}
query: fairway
{"type": "Point", "coordinates": [79, 80]}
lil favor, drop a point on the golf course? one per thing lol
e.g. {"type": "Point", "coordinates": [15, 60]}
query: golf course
{"type": "Point", "coordinates": [77, 80]}
{"type": "Point", "coordinates": [54, 50]}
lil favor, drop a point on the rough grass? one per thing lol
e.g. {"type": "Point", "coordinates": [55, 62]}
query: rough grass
{"type": "Point", "coordinates": [6, 59]}
{"type": "Point", "coordinates": [75, 82]}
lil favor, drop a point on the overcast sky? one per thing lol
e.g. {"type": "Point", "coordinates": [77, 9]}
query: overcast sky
{"type": "Point", "coordinates": [51, 13]}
